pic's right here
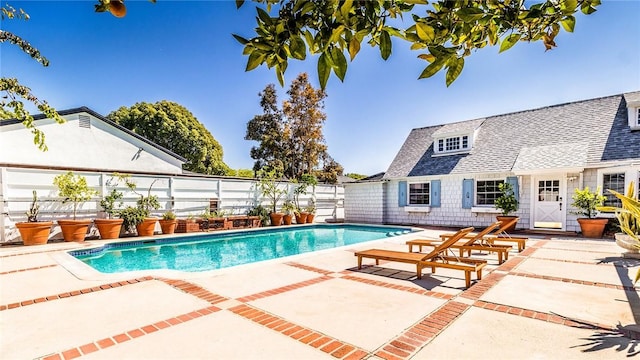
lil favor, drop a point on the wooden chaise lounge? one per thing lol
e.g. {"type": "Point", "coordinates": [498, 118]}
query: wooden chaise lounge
{"type": "Point", "coordinates": [468, 243]}
{"type": "Point", "coordinates": [435, 259]}
{"type": "Point", "coordinates": [502, 235]}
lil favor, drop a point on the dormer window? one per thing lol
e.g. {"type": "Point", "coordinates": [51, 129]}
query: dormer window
{"type": "Point", "coordinates": [453, 144]}
{"type": "Point", "coordinates": [634, 117]}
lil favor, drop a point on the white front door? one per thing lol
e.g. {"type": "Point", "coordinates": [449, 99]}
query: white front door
{"type": "Point", "coordinates": [548, 202]}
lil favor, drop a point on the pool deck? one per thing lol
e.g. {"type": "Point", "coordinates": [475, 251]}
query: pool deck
{"type": "Point", "coordinates": [566, 298]}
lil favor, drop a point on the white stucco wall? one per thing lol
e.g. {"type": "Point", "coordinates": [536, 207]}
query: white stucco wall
{"type": "Point", "coordinates": [100, 147]}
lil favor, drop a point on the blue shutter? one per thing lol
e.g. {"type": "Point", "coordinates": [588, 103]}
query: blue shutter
{"type": "Point", "coordinates": [435, 193]}
{"type": "Point", "coordinates": [467, 193]}
{"type": "Point", "coordinates": [402, 193]}
{"type": "Point", "coordinates": [513, 180]}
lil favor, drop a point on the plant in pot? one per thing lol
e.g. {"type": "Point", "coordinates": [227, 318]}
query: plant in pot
{"type": "Point", "coordinates": [168, 222]}
{"type": "Point", "coordinates": [272, 190]}
{"type": "Point", "coordinates": [138, 217]}
{"type": "Point", "coordinates": [288, 208]}
{"type": "Point", "coordinates": [262, 213]}
{"type": "Point", "coordinates": [74, 189]}
{"type": "Point", "coordinates": [311, 212]}
{"type": "Point", "coordinates": [110, 227]}
{"type": "Point", "coordinates": [34, 232]}
{"type": "Point", "coordinates": [629, 220]}
{"type": "Point", "coordinates": [306, 180]}
{"type": "Point", "coordinates": [506, 203]}
{"type": "Point", "coordinates": [586, 203]}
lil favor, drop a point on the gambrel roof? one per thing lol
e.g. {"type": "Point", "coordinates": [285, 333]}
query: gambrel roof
{"type": "Point", "coordinates": [567, 136]}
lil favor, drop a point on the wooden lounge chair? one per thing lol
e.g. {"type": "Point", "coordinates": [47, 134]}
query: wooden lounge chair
{"type": "Point", "coordinates": [468, 243]}
{"type": "Point", "coordinates": [437, 258]}
{"type": "Point", "coordinates": [501, 235]}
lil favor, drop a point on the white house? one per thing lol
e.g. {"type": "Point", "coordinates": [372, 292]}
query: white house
{"type": "Point", "coordinates": [449, 174]}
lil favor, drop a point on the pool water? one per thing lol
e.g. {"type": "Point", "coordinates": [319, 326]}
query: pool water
{"type": "Point", "coordinates": [220, 250]}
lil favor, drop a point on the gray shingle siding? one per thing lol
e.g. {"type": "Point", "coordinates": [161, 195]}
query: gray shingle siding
{"type": "Point", "coordinates": [598, 125]}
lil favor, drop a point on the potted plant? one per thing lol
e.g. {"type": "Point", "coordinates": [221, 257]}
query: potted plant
{"type": "Point", "coordinates": [288, 208]}
{"type": "Point", "coordinates": [260, 212]}
{"type": "Point", "coordinates": [269, 187]}
{"type": "Point", "coordinates": [74, 189]}
{"type": "Point", "coordinates": [110, 227]}
{"type": "Point", "coordinates": [145, 204]}
{"type": "Point", "coordinates": [629, 220]}
{"type": "Point", "coordinates": [311, 212]}
{"type": "Point", "coordinates": [305, 181]}
{"type": "Point", "coordinates": [586, 204]}
{"type": "Point", "coordinates": [168, 222]}
{"type": "Point", "coordinates": [34, 232]}
{"type": "Point", "coordinates": [506, 203]}
{"type": "Point", "coordinates": [138, 217]}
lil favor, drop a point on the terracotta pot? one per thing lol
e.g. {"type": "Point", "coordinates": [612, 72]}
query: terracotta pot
{"type": "Point", "coordinates": [168, 226]}
{"type": "Point", "coordinates": [592, 228]}
{"type": "Point", "coordinates": [506, 219]}
{"type": "Point", "coordinates": [287, 219]}
{"type": "Point", "coordinates": [276, 219]}
{"type": "Point", "coordinates": [146, 227]}
{"type": "Point", "coordinates": [310, 218]}
{"type": "Point", "coordinates": [74, 230]}
{"type": "Point", "coordinates": [109, 228]}
{"type": "Point", "coordinates": [301, 218]}
{"type": "Point", "coordinates": [34, 233]}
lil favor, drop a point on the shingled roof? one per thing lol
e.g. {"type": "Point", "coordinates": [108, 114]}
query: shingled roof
{"type": "Point", "coordinates": [572, 135]}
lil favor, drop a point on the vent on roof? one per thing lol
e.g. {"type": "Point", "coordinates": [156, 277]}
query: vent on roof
{"type": "Point", "coordinates": [84, 121]}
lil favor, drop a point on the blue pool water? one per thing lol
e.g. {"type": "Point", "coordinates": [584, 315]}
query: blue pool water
{"type": "Point", "coordinates": [220, 250]}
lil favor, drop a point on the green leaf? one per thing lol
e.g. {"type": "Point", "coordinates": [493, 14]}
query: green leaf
{"type": "Point", "coordinates": [637, 277]}
{"type": "Point", "coordinates": [239, 3]}
{"type": "Point", "coordinates": [298, 48]}
{"type": "Point", "coordinates": [354, 47]}
{"type": "Point", "coordinates": [324, 69]}
{"type": "Point", "coordinates": [568, 6]}
{"type": "Point", "coordinates": [339, 63]}
{"type": "Point", "coordinates": [454, 69]}
{"type": "Point", "coordinates": [432, 69]}
{"type": "Point", "coordinates": [470, 14]}
{"type": "Point", "coordinates": [264, 16]}
{"type": "Point", "coordinates": [240, 39]}
{"type": "Point", "coordinates": [346, 8]}
{"type": "Point", "coordinates": [428, 57]}
{"type": "Point", "coordinates": [509, 41]}
{"type": "Point", "coordinates": [425, 32]}
{"type": "Point", "coordinates": [256, 58]}
{"type": "Point", "coordinates": [569, 23]}
{"type": "Point", "coordinates": [385, 44]}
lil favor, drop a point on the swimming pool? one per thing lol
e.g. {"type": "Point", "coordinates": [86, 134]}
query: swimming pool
{"type": "Point", "coordinates": [221, 250]}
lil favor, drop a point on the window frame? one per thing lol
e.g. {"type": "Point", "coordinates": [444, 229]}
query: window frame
{"type": "Point", "coordinates": [477, 192]}
{"type": "Point", "coordinates": [440, 144]}
{"type": "Point", "coordinates": [428, 192]}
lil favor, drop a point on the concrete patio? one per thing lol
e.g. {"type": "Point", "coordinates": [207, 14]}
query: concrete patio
{"type": "Point", "coordinates": [560, 298]}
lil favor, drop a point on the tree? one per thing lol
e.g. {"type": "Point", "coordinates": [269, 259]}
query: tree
{"type": "Point", "coordinates": [172, 126]}
{"type": "Point", "coordinates": [355, 176]}
{"type": "Point", "coordinates": [290, 138]}
{"type": "Point", "coordinates": [305, 118]}
{"type": "Point", "coordinates": [331, 169]}
{"type": "Point", "coordinates": [445, 31]}
{"type": "Point", "coordinates": [13, 93]}
{"type": "Point", "coordinates": [268, 130]}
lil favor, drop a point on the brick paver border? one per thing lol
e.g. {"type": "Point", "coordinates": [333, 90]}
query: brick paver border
{"type": "Point", "coordinates": [28, 269]}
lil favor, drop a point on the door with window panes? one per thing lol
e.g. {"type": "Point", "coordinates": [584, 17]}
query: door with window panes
{"type": "Point", "coordinates": [549, 205]}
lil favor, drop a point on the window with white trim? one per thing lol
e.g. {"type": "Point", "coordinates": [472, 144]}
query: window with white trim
{"type": "Point", "coordinates": [419, 193]}
{"type": "Point", "coordinates": [453, 144]}
{"type": "Point", "coordinates": [487, 191]}
{"type": "Point", "coordinates": [614, 182]}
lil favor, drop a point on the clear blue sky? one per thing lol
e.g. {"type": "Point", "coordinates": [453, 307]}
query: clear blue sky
{"type": "Point", "coordinates": [183, 51]}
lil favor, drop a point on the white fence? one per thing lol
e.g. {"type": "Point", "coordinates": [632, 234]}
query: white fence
{"type": "Point", "coordinates": [183, 194]}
